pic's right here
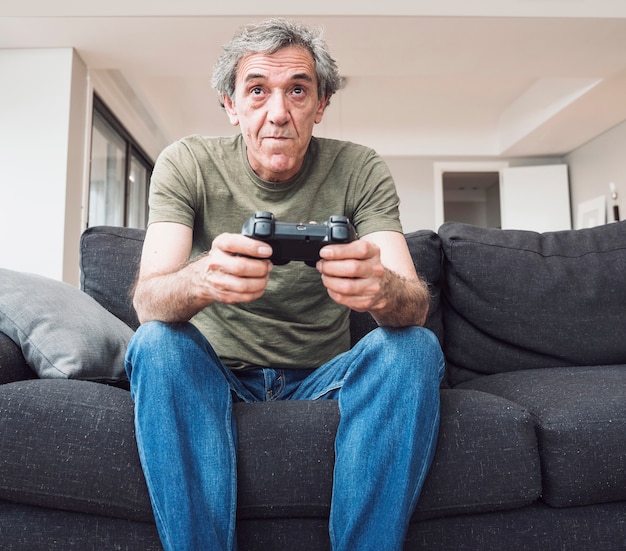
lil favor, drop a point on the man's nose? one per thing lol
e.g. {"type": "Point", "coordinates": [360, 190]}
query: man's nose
{"type": "Point", "coordinates": [278, 111]}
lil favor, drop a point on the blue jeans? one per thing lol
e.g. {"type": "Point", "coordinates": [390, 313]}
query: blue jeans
{"type": "Point", "coordinates": [387, 389]}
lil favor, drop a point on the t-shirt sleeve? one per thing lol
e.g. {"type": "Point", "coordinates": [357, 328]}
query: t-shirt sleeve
{"type": "Point", "coordinates": [376, 202]}
{"type": "Point", "coordinates": [171, 197]}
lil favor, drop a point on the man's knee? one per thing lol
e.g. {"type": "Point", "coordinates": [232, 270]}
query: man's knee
{"type": "Point", "coordinates": [403, 339]}
{"type": "Point", "coordinates": [161, 347]}
{"type": "Point", "coordinates": [157, 332]}
{"type": "Point", "coordinates": [406, 351]}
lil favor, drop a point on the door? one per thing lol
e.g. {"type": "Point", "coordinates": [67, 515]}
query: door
{"type": "Point", "coordinates": [535, 198]}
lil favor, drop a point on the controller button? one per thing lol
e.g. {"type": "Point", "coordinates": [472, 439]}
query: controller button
{"type": "Point", "coordinates": [339, 233]}
{"type": "Point", "coordinates": [262, 229]}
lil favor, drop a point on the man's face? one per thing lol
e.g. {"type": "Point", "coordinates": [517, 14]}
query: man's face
{"type": "Point", "coordinates": [276, 107]}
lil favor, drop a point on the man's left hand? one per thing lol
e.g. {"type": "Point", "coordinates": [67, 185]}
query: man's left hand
{"type": "Point", "coordinates": [376, 274]}
{"type": "Point", "coordinates": [353, 274]}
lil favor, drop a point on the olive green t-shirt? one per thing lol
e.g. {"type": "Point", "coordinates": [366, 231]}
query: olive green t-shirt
{"type": "Point", "coordinates": [208, 185]}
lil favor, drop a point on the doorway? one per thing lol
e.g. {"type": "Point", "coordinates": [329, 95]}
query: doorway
{"type": "Point", "coordinates": [468, 205]}
{"type": "Point", "coordinates": [472, 198]}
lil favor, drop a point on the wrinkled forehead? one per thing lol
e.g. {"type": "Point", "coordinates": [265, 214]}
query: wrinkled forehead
{"type": "Point", "coordinates": [290, 63]}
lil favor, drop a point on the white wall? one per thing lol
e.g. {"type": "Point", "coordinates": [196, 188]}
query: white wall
{"type": "Point", "coordinates": [593, 166]}
{"type": "Point", "coordinates": [43, 113]}
{"type": "Point", "coordinates": [414, 179]}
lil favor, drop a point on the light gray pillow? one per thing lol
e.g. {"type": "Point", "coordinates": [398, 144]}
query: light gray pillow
{"type": "Point", "coordinates": [62, 331]}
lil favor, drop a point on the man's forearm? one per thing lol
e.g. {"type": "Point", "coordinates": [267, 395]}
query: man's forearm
{"type": "Point", "coordinates": [403, 302]}
{"type": "Point", "coordinates": [166, 297]}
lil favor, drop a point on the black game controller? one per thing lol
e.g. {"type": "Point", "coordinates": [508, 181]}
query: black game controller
{"type": "Point", "coordinates": [298, 241]}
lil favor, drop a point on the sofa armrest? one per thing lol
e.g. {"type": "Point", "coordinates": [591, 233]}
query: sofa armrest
{"type": "Point", "coordinates": [13, 366]}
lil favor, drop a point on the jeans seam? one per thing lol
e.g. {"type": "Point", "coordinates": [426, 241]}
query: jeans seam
{"type": "Point", "coordinates": [232, 534]}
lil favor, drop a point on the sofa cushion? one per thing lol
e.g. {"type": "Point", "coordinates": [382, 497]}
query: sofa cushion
{"type": "Point", "coordinates": [30, 528]}
{"type": "Point", "coordinates": [534, 528]}
{"type": "Point", "coordinates": [580, 414]}
{"type": "Point", "coordinates": [70, 445]}
{"type": "Point", "coordinates": [425, 249]}
{"type": "Point", "coordinates": [286, 458]}
{"type": "Point", "coordinates": [487, 458]}
{"type": "Point", "coordinates": [516, 300]}
{"type": "Point", "coordinates": [109, 260]}
{"type": "Point", "coordinates": [61, 331]}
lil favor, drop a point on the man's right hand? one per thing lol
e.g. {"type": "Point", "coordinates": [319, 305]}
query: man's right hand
{"type": "Point", "coordinates": [170, 288]}
{"type": "Point", "coordinates": [236, 269]}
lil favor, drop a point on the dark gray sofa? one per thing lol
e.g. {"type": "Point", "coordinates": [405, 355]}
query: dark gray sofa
{"type": "Point", "coordinates": [532, 444]}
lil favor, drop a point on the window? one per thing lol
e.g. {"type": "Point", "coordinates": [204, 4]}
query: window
{"type": "Point", "coordinates": [120, 174]}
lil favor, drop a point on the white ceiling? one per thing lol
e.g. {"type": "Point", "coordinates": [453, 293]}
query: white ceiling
{"type": "Point", "coordinates": [449, 83]}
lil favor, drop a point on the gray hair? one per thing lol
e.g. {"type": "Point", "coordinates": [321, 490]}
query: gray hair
{"type": "Point", "coordinates": [268, 37]}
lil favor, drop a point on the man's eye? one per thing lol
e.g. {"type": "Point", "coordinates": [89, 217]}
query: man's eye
{"type": "Point", "coordinates": [256, 91]}
{"type": "Point", "coordinates": [298, 91]}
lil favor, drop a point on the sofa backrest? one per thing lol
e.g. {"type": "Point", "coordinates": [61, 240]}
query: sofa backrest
{"type": "Point", "coordinates": [109, 260]}
{"type": "Point", "coordinates": [516, 300]}
{"type": "Point", "coordinates": [507, 299]}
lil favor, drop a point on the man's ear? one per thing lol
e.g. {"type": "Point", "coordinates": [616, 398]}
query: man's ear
{"type": "Point", "coordinates": [321, 107]}
{"type": "Point", "coordinates": [231, 111]}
